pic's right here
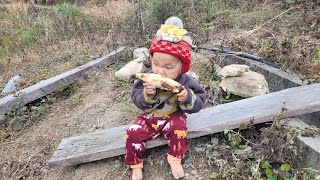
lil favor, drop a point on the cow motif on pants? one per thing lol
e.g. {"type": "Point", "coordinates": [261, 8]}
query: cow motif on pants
{"type": "Point", "coordinates": [144, 128]}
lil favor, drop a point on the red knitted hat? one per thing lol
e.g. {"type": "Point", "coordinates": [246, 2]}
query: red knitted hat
{"type": "Point", "coordinates": [178, 48]}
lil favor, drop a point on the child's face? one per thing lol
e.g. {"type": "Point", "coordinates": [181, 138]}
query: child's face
{"type": "Point", "coordinates": [166, 65]}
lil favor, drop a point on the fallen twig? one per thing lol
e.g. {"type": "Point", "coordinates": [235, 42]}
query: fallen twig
{"type": "Point", "coordinates": [257, 28]}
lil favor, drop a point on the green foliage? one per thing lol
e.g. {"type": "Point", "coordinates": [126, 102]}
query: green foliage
{"type": "Point", "coordinates": [213, 175]}
{"type": "Point", "coordinates": [162, 9]}
{"type": "Point", "coordinates": [77, 99]}
{"type": "Point", "coordinates": [126, 99]}
{"type": "Point", "coordinates": [285, 167]}
{"type": "Point", "coordinates": [28, 37]}
{"type": "Point", "coordinates": [234, 138]}
{"type": "Point", "coordinates": [63, 21]}
{"type": "Point", "coordinates": [210, 74]}
{"type": "Point", "coordinates": [214, 10]}
{"type": "Point", "coordinates": [118, 66]}
{"type": "Point", "coordinates": [228, 95]}
{"type": "Point", "coordinates": [267, 167]}
{"type": "Point", "coordinates": [66, 10]}
{"type": "Point", "coordinates": [148, 15]}
{"type": "Point", "coordinates": [274, 174]}
{"type": "Point", "coordinates": [85, 52]}
{"type": "Point", "coordinates": [66, 90]}
{"type": "Point", "coordinates": [17, 118]}
{"type": "Point", "coordinates": [238, 163]}
{"type": "Point", "coordinates": [316, 56]}
{"type": "Point", "coordinates": [243, 126]}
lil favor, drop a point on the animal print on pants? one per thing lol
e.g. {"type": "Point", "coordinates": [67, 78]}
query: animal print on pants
{"type": "Point", "coordinates": [144, 128]}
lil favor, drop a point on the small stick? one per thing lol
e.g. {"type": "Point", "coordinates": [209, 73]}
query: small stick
{"type": "Point", "coordinates": [257, 28]}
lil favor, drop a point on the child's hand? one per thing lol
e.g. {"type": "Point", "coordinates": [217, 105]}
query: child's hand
{"type": "Point", "coordinates": [150, 90]}
{"type": "Point", "coordinates": [182, 96]}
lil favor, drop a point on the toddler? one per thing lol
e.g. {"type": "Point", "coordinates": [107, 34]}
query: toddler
{"type": "Point", "coordinates": [164, 112]}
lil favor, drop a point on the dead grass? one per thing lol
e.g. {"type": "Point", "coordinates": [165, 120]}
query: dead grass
{"type": "Point", "coordinates": [111, 10]}
{"type": "Point", "coordinates": [287, 36]}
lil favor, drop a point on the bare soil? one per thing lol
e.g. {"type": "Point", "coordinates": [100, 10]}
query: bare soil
{"type": "Point", "coordinates": [105, 103]}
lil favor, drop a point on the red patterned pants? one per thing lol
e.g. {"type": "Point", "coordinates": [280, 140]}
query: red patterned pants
{"type": "Point", "coordinates": [173, 128]}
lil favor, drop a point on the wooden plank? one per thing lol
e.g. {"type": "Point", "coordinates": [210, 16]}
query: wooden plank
{"type": "Point", "coordinates": [110, 142]}
{"type": "Point", "coordinates": [48, 86]}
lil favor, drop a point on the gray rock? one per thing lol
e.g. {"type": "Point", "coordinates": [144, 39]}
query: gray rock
{"type": "Point", "coordinates": [233, 70]}
{"type": "Point", "coordinates": [11, 85]}
{"type": "Point", "coordinates": [310, 146]}
{"type": "Point", "coordinates": [249, 84]}
{"type": "Point", "coordinates": [218, 69]}
{"type": "Point", "coordinates": [214, 141]}
{"type": "Point", "coordinates": [294, 122]}
{"type": "Point", "coordinates": [133, 67]}
{"type": "Point", "coordinates": [310, 151]}
{"type": "Point", "coordinates": [140, 52]}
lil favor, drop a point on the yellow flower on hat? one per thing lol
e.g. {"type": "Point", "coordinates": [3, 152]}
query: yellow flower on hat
{"type": "Point", "coordinates": [171, 33]}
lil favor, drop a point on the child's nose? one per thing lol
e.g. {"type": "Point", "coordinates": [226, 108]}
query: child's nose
{"type": "Point", "coordinates": [161, 71]}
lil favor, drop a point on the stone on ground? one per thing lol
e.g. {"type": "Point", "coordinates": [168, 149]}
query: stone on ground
{"type": "Point", "coordinates": [310, 146]}
{"type": "Point", "coordinates": [140, 52]}
{"type": "Point", "coordinates": [249, 84]}
{"type": "Point", "coordinates": [133, 67]}
{"type": "Point", "coordinates": [234, 70]}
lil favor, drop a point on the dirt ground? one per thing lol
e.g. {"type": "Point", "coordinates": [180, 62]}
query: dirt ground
{"type": "Point", "coordinates": [105, 103]}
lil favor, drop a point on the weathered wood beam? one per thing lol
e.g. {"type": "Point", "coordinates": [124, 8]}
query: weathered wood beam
{"type": "Point", "coordinates": [259, 109]}
{"type": "Point", "coordinates": [51, 85]}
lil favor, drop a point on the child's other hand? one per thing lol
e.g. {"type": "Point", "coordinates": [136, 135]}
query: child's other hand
{"type": "Point", "coordinates": [150, 90]}
{"type": "Point", "coordinates": [182, 96]}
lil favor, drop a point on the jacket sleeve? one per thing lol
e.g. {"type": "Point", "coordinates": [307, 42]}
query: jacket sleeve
{"type": "Point", "coordinates": [196, 97]}
{"type": "Point", "coordinates": [140, 98]}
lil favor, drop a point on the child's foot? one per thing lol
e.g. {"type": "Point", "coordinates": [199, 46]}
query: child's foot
{"type": "Point", "coordinates": [137, 174]}
{"type": "Point", "coordinates": [177, 171]}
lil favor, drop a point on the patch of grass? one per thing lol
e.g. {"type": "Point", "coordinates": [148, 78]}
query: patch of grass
{"type": "Point", "coordinates": [77, 99]}
{"type": "Point", "coordinates": [316, 56]}
{"type": "Point", "coordinates": [214, 10]}
{"type": "Point", "coordinates": [23, 115]}
{"type": "Point", "coordinates": [66, 10]}
{"type": "Point", "coordinates": [69, 89]}
{"type": "Point", "coordinates": [147, 16]}
{"type": "Point", "coordinates": [24, 27]}
{"type": "Point", "coordinates": [126, 99]}
{"type": "Point", "coordinates": [118, 66]}
{"type": "Point", "coordinates": [28, 37]}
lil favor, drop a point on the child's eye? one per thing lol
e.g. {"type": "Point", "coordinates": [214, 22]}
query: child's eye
{"type": "Point", "coordinates": [169, 67]}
